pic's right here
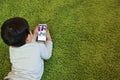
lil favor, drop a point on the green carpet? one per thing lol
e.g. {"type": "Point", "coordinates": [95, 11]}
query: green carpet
{"type": "Point", "coordinates": [86, 36]}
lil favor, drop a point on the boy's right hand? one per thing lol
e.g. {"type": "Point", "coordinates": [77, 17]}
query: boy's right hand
{"type": "Point", "coordinates": [48, 37]}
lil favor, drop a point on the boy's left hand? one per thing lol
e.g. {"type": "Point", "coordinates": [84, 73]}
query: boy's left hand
{"type": "Point", "coordinates": [35, 33]}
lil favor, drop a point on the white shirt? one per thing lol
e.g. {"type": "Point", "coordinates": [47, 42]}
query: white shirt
{"type": "Point", "coordinates": [28, 60]}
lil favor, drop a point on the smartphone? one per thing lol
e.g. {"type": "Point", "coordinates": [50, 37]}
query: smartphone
{"type": "Point", "coordinates": [42, 32]}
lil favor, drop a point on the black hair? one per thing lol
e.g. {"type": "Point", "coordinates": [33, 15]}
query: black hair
{"type": "Point", "coordinates": [14, 31]}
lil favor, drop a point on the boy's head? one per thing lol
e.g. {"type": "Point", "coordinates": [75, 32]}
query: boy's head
{"type": "Point", "coordinates": [14, 31]}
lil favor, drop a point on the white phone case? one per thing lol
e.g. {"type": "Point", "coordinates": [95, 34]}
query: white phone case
{"type": "Point", "coordinates": [42, 32]}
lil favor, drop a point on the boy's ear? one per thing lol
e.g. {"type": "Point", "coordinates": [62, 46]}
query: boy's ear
{"type": "Point", "coordinates": [29, 38]}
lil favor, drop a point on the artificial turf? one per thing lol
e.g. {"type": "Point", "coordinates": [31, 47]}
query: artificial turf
{"type": "Point", "coordinates": [86, 36]}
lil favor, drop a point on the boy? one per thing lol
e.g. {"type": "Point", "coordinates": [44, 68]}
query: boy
{"type": "Point", "coordinates": [26, 55]}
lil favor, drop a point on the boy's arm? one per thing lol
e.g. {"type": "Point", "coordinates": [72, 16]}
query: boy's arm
{"type": "Point", "coordinates": [47, 48]}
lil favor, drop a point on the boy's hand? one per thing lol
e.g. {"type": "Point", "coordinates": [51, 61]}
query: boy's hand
{"type": "Point", "coordinates": [48, 37]}
{"type": "Point", "coordinates": [35, 33]}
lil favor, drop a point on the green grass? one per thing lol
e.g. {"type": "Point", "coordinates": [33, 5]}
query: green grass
{"type": "Point", "coordinates": [86, 36]}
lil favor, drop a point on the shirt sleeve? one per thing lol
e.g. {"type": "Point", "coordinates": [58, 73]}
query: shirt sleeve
{"type": "Point", "coordinates": [46, 50]}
